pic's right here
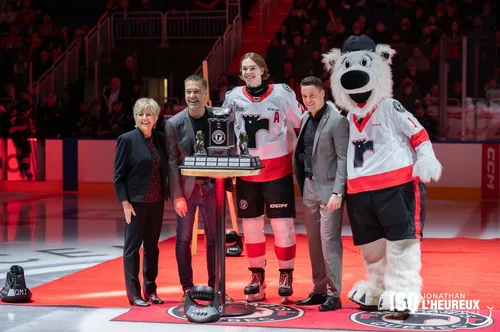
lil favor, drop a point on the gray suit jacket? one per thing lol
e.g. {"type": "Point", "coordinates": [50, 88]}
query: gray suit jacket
{"type": "Point", "coordinates": [329, 156]}
{"type": "Point", "coordinates": [180, 137]}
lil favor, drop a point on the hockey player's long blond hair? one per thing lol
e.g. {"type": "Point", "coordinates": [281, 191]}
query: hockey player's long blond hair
{"type": "Point", "coordinates": [259, 60]}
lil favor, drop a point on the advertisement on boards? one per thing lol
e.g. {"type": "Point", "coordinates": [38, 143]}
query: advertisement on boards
{"type": "Point", "coordinates": [489, 172]}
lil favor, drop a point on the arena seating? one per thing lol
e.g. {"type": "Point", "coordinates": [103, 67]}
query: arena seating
{"type": "Point", "coordinates": [295, 36]}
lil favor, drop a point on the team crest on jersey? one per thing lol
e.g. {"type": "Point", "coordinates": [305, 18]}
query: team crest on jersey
{"type": "Point", "coordinates": [243, 204]}
{"type": "Point", "coordinates": [398, 107]}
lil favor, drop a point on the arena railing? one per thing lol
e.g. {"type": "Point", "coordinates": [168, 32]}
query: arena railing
{"type": "Point", "coordinates": [223, 52]}
{"type": "Point", "coordinates": [137, 26]}
{"type": "Point", "coordinates": [194, 25]}
{"type": "Point", "coordinates": [157, 26]}
{"type": "Point", "coordinates": [63, 72]}
{"type": "Point", "coordinates": [215, 62]}
{"type": "Point", "coordinates": [100, 39]}
{"type": "Point", "coordinates": [262, 7]}
{"type": "Point", "coordinates": [201, 24]}
{"type": "Point", "coordinates": [163, 27]}
{"type": "Point", "coordinates": [97, 42]}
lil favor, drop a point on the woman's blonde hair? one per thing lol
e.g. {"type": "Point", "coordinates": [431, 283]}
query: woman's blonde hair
{"type": "Point", "coordinates": [259, 60]}
{"type": "Point", "coordinates": [143, 104]}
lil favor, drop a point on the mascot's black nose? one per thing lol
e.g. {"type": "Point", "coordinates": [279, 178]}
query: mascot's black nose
{"type": "Point", "coordinates": [354, 79]}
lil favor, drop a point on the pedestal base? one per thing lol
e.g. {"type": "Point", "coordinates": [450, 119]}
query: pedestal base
{"type": "Point", "coordinates": [238, 309]}
{"type": "Point", "coordinates": [221, 168]}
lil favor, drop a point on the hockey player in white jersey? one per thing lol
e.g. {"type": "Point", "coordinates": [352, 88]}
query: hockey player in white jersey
{"type": "Point", "coordinates": [271, 116]}
{"type": "Point", "coordinates": [390, 158]}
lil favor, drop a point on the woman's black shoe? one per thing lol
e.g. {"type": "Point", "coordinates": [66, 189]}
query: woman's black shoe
{"type": "Point", "coordinates": [153, 298]}
{"type": "Point", "coordinates": [135, 300]}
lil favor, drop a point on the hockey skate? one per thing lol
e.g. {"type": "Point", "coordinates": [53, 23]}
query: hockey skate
{"type": "Point", "coordinates": [256, 288]}
{"type": "Point", "coordinates": [285, 286]}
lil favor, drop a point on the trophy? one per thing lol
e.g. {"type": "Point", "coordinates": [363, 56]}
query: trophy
{"type": "Point", "coordinates": [221, 130]}
{"type": "Point", "coordinates": [222, 152]}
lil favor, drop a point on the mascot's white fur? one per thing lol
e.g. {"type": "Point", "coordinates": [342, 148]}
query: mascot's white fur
{"type": "Point", "coordinates": [361, 79]}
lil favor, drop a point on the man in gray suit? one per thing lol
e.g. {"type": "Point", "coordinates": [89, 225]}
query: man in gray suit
{"type": "Point", "coordinates": [189, 192]}
{"type": "Point", "coordinates": [321, 171]}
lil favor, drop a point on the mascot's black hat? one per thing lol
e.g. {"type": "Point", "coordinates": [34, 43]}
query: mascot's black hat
{"type": "Point", "coordinates": [359, 43]}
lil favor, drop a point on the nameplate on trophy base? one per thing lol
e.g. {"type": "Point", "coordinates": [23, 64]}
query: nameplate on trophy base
{"type": "Point", "coordinates": [225, 151]}
{"type": "Point", "coordinates": [228, 163]}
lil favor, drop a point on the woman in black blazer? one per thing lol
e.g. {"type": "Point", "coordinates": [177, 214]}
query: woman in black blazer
{"type": "Point", "coordinates": [140, 182]}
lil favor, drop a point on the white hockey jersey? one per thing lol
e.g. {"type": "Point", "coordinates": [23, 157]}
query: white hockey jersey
{"type": "Point", "coordinates": [271, 122]}
{"type": "Point", "coordinates": [382, 148]}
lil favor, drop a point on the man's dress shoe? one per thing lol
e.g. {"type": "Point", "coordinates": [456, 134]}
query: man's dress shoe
{"type": "Point", "coordinates": [313, 299]}
{"type": "Point", "coordinates": [153, 298]}
{"type": "Point", "coordinates": [331, 303]}
{"type": "Point", "coordinates": [138, 301]}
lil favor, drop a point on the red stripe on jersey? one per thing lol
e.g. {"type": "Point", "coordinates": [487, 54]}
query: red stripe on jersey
{"type": "Point", "coordinates": [416, 218]}
{"type": "Point", "coordinates": [380, 181]}
{"type": "Point", "coordinates": [363, 123]}
{"type": "Point", "coordinates": [419, 138]}
{"type": "Point", "coordinates": [261, 98]}
{"type": "Point", "coordinates": [255, 250]}
{"type": "Point", "coordinates": [274, 168]}
{"type": "Point", "coordinates": [285, 254]}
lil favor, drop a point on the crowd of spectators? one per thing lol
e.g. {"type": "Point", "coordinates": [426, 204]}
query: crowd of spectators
{"type": "Point", "coordinates": [30, 36]}
{"type": "Point", "coordinates": [30, 42]}
{"type": "Point", "coordinates": [413, 27]}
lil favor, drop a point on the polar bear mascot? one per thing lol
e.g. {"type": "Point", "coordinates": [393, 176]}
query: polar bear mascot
{"type": "Point", "coordinates": [390, 158]}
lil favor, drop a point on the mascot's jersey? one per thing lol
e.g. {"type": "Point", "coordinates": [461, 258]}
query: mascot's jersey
{"type": "Point", "coordinates": [382, 147]}
{"type": "Point", "coordinates": [271, 122]}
